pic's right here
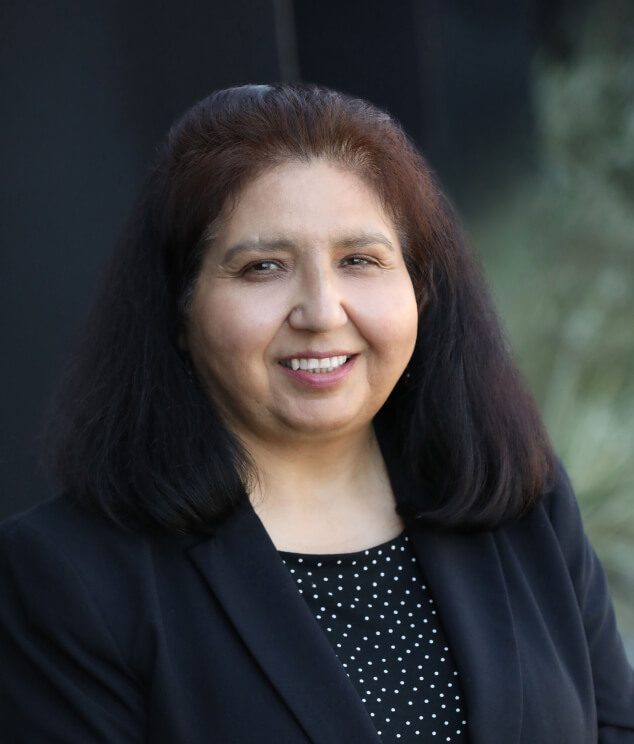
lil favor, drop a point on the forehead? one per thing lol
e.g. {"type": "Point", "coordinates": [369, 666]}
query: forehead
{"type": "Point", "coordinates": [312, 199]}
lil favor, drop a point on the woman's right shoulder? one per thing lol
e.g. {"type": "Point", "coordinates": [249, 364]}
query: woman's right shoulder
{"type": "Point", "coordinates": [64, 524]}
{"type": "Point", "coordinates": [73, 588]}
{"type": "Point", "coordinates": [59, 539]}
{"type": "Point", "coordinates": [69, 573]}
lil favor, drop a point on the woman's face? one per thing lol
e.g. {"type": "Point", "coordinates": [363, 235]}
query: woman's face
{"type": "Point", "coordinates": [306, 271]}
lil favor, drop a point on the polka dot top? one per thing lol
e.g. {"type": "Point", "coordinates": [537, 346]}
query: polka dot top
{"type": "Point", "coordinates": [377, 612]}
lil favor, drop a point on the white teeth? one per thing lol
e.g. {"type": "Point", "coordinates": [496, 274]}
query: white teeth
{"type": "Point", "coordinates": [316, 365]}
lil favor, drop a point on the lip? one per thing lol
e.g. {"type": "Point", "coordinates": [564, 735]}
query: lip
{"type": "Point", "coordinates": [322, 379]}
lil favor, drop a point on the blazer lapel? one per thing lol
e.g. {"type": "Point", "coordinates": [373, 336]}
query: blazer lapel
{"type": "Point", "coordinates": [465, 576]}
{"type": "Point", "coordinates": [244, 571]}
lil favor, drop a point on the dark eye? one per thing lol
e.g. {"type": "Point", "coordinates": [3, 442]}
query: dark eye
{"type": "Point", "coordinates": [358, 261]}
{"type": "Point", "coordinates": [262, 267]}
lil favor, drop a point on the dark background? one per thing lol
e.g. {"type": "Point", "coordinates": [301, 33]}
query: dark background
{"type": "Point", "coordinates": [90, 88]}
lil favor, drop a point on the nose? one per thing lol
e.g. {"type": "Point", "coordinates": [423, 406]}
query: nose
{"type": "Point", "coordinates": [319, 303]}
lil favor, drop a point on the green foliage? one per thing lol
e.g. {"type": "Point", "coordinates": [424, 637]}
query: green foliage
{"type": "Point", "coordinates": [559, 248]}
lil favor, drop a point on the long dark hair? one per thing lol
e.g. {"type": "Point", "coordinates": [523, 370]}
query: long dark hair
{"type": "Point", "coordinates": [134, 434]}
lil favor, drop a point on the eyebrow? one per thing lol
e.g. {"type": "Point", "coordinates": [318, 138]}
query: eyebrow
{"type": "Point", "coordinates": [349, 242]}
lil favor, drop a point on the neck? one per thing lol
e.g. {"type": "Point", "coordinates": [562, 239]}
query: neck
{"type": "Point", "coordinates": [306, 470]}
{"type": "Point", "coordinates": [323, 496]}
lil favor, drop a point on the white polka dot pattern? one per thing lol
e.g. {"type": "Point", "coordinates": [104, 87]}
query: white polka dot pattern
{"type": "Point", "coordinates": [377, 612]}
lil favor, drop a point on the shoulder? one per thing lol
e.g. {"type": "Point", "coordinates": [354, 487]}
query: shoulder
{"type": "Point", "coordinates": [556, 515]}
{"type": "Point", "coordinates": [66, 570]}
{"type": "Point", "coordinates": [65, 637]}
{"type": "Point", "coordinates": [58, 514]}
{"type": "Point", "coordinates": [551, 541]}
{"type": "Point", "coordinates": [60, 527]}
{"type": "Point", "coordinates": [62, 541]}
{"type": "Point", "coordinates": [548, 547]}
{"type": "Point", "coordinates": [560, 502]}
{"type": "Point", "coordinates": [560, 509]}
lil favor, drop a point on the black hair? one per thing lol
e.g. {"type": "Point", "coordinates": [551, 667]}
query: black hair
{"type": "Point", "coordinates": [134, 434]}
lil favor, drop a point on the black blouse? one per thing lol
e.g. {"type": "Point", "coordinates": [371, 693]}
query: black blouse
{"type": "Point", "coordinates": [377, 612]}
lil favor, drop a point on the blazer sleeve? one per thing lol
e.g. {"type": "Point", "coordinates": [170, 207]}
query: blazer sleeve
{"type": "Point", "coordinates": [63, 678]}
{"type": "Point", "coordinates": [613, 677]}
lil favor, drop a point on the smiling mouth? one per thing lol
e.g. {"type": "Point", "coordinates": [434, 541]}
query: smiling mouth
{"type": "Point", "coordinates": [317, 366]}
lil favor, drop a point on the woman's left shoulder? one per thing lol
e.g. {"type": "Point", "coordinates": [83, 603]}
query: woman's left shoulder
{"type": "Point", "coordinates": [560, 502]}
{"type": "Point", "coordinates": [557, 515]}
{"type": "Point", "coordinates": [550, 543]}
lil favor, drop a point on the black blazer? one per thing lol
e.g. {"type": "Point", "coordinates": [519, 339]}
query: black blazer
{"type": "Point", "coordinates": [113, 637]}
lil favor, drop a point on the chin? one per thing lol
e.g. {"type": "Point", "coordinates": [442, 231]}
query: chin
{"type": "Point", "coordinates": [326, 427]}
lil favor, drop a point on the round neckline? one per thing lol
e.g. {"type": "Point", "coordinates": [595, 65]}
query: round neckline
{"type": "Point", "coordinates": [328, 557]}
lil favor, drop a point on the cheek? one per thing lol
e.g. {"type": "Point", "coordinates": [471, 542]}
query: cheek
{"type": "Point", "coordinates": [233, 327]}
{"type": "Point", "coordinates": [391, 322]}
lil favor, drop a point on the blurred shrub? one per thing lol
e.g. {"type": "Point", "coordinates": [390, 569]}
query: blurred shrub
{"type": "Point", "coordinates": [559, 249]}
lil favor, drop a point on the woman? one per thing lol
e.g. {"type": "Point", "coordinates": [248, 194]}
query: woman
{"type": "Point", "coordinates": [306, 495]}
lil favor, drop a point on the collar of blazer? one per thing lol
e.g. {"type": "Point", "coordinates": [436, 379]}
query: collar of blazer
{"type": "Point", "coordinates": [244, 571]}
